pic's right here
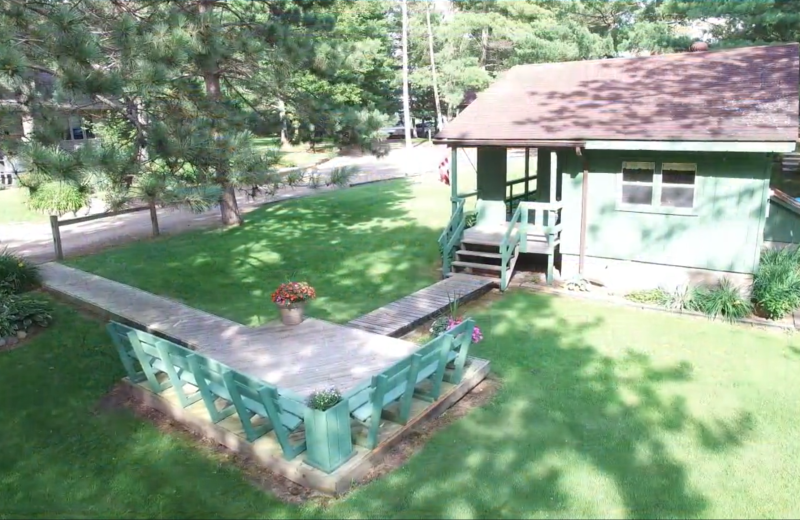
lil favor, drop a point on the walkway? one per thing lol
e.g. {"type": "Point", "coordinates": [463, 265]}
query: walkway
{"type": "Point", "coordinates": [35, 241]}
{"type": "Point", "coordinates": [407, 313]}
{"type": "Point", "coordinates": [314, 355]}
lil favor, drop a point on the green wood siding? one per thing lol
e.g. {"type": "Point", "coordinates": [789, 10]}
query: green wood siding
{"type": "Point", "coordinates": [782, 224]}
{"type": "Point", "coordinates": [723, 232]}
{"type": "Point", "coordinates": [491, 168]}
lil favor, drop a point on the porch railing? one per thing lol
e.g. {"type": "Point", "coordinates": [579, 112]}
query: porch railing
{"type": "Point", "coordinates": [452, 235]}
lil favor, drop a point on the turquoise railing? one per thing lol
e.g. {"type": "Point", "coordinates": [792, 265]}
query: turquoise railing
{"type": "Point", "coordinates": [452, 235]}
{"type": "Point", "coordinates": [511, 240]}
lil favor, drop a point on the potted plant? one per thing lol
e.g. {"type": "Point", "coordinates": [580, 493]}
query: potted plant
{"type": "Point", "coordinates": [290, 297]}
{"type": "Point", "coordinates": [329, 440]}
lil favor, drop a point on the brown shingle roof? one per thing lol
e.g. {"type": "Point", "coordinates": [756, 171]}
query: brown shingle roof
{"type": "Point", "coordinates": [745, 94]}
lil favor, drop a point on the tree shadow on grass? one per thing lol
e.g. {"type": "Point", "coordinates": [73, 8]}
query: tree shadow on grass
{"type": "Point", "coordinates": [573, 432]}
{"type": "Point", "coordinates": [360, 248]}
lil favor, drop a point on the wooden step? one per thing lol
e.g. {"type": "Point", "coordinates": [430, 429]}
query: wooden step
{"type": "Point", "coordinates": [488, 267]}
{"type": "Point", "coordinates": [485, 254]}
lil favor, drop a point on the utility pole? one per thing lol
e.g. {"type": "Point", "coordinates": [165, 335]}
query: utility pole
{"type": "Point", "coordinates": [406, 100]}
{"type": "Point", "coordinates": [439, 119]}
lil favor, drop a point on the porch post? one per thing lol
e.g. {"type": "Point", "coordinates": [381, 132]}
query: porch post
{"type": "Point", "coordinates": [527, 170]}
{"type": "Point", "coordinates": [453, 179]}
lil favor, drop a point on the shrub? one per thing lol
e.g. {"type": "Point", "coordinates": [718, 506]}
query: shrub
{"type": "Point", "coordinates": [60, 197]}
{"type": "Point", "coordinates": [776, 282]}
{"type": "Point", "coordinates": [21, 312]}
{"type": "Point", "coordinates": [340, 177]}
{"type": "Point", "coordinates": [324, 399]}
{"type": "Point", "coordinates": [722, 300]}
{"type": "Point", "coordinates": [447, 321]}
{"type": "Point", "coordinates": [294, 178]}
{"type": "Point", "coordinates": [315, 180]}
{"type": "Point", "coordinates": [470, 219]}
{"type": "Point", "coordinates": [650, 297]}
{"type": "Point", "coordinates": [16, 274]}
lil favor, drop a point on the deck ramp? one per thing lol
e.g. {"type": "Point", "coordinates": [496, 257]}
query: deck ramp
{"type": "Point", "coordinates": [405, 314]}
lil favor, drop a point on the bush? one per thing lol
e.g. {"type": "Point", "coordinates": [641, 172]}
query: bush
{"type": "Point", "coordinates": [776, 282]}
{"type": "Point", "coordinates": [722, 300]}
{"type": "Point", "coordinates": [658, 297]}
{"type": "Point", "coordinates": [17, 275]}
{"type": "Point", "coordinates": [294, 178]}
{"type": "Point", "coordinates": [324, 399]}
{"type": "Point", "coordinates": [340, 177]}
{"type": "Point", "coordinates": [21, 312]}
{"type": "Point", "coordinates": [314, 180]}
{"type": "Point", "coordinates": [60, 197]}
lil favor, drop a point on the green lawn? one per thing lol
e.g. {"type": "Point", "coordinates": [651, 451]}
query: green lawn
{"type": "Point", "coordinates": [300, 155]}
{"type": "Point", "coordinates": [361, 248]}
{"type": "Point", "coordinates": [604, 412]}
{"type": "Point", "coordinates": [13, 207]}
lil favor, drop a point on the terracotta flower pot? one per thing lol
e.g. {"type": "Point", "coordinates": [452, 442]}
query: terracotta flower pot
{"type": "Point", "coordinates": [292, 314]}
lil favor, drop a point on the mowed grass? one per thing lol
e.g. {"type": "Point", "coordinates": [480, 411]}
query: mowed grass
{"type": "Point", "coordinates": [604, 412]}
{"type": "Point", "coordinates": [360, 248]}
{"type": "Point", "coordinates": [14, 207]}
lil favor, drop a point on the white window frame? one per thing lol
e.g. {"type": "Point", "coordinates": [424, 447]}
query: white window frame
{"type": "Point", "coordinates": [655, 205]}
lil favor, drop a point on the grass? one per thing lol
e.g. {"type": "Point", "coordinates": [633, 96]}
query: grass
{"type": "Point", "coordinates": [604, 412]}
{"type": "Point", "coordinates": [14, 208]}
{"type": "Point", "coordinates": [360, 248]}
{"type": "Point", "coordinates": [300, 155]}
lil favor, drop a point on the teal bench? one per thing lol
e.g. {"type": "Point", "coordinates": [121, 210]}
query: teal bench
{"type": "Point", "coordinates": [144, 356]}
{"type": "Point", "coordinates": [400, 382]}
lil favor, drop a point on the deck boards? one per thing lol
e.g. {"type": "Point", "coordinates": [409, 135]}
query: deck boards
{"type": "Point", "coordinates": [303, 358]}
{"type": "Point", "coordinates": [405, 314]}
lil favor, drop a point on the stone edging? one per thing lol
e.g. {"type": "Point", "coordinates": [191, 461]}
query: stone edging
{"type": "Point", "coordinates": [626, 303]}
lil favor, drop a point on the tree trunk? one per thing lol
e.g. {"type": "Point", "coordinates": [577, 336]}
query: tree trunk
{"type": "Point", "coordinates": [439, 119]}
{"type": "Point", "coordinates": [25, 101]}
{"type": "Point", "coordinates": [227, 202]}
{"type": "Point", "coordinates": [484, 47]}
{"type": "Point", "coordinates": [154, 218]}
{"type": "Point", "coordinates": [284, 124]}
{"type": "Point", "coordinates": [406, 100]}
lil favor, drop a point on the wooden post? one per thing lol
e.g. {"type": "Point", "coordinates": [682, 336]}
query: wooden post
{"type": "Point", "coordinates": [527, 171]}
{"type": "Point", "coordinates": [56, 237]}
{"type": "Point", "coordinates": [154, 218]}
{"type": "Point", "coordinates": [584, 209]}
{"type": "Point", "coordinates": [453, 179]}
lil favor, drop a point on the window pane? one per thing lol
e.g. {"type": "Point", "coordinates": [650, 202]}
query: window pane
{"type": "Point", "coordinates": [677, 197]}
{"type": "Point", "coordinates": [638, 172]}
{"type": "Point", "coordinates": [678, 173]}
{"type": "Point", "coordinates": [637, 194]}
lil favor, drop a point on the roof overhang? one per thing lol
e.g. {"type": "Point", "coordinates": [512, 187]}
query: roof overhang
{"type": "Point", "coordinates": [506, 143]}
{"type": "Point", "coordinates": [695, 146]}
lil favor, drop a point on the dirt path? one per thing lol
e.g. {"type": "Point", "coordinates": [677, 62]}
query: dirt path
{"type": "Point", "coordinates": [34, 240]}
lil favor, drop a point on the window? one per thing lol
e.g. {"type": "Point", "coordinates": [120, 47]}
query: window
{"type": "Point", "coordinates": [677, 185]}
{"type": "Point", "coordinates": [638, 180]}
{"type": "Point", "coordinates": [658, 185]}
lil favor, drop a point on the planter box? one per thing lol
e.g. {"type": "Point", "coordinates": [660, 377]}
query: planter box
{"type": "Point", "coordinates": [329, 441]}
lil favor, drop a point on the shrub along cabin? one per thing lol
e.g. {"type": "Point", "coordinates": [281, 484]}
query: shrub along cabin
{"type": "Point", "coordinates": [648, 171]}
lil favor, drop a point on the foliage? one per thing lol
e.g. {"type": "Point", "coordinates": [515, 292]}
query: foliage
{"type": "Point", "coordinates": [315, 179]}
{"type": "Point", "coordinates": [678, 299]}
{"type": "Point", "coordinates": [656, 296]}
{"type": "Point", "coordinates": [360, 128]}
{"type": "Point", "coordinates": [340, 177]}
{"type": "Point", "coordinates": [451, 319]}
{"type": "Point", "coordinates": [293, 292]}
{"type": "Point", "coordinates": [776, 282]}
{"type": "Point", "coordinates": [470, 219]}
{"type": "Point", "coordinates": [16, 274]}
{"type": "Point", "coordinates": [295, 177]}
{"type": "Point", "coordinates": [324, 399]}
{"type": "Point", "coordinates": [20, 312]}
{"type": "Point", "coordinates": [722, 300]}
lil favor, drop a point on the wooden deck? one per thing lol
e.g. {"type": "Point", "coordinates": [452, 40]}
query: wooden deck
{"type": "Point", "coordinates": [493, 236]}
{"type": "Point", "coordinates": [312, 355]}
{"type": "Point", "coordinates": [407, 313]}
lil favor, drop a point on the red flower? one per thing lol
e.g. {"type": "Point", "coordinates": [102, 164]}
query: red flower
{"type": "Point", "coordinates": [290, 292]}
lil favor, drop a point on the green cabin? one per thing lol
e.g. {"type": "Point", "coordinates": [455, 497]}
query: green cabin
{"type": "Point", "coordinates": [635, 172]}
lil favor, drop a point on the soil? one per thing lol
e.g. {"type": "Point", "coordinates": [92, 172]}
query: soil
{"type": "Point", "coordinates": [119, 399]}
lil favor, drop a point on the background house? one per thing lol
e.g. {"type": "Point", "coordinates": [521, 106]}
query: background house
{"type": "Point", "coordinates": [652, 170]}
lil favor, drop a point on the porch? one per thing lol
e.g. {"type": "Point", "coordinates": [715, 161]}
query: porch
{"type": "Point", "coordinates": [514, 207]}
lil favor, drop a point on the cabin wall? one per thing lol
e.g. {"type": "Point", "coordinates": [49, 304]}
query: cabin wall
{"type": "Point", "coordinates": [782, 224]}
{"type": "Point", "coordinates": [723, 232]}
{"type": "Point", "coordinates": [491, 170]}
